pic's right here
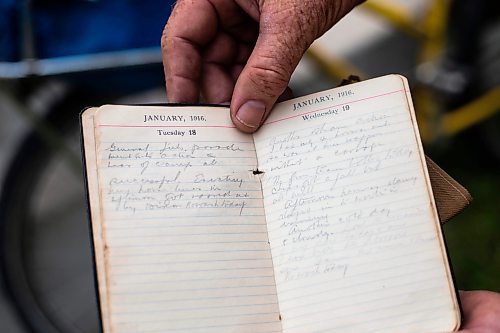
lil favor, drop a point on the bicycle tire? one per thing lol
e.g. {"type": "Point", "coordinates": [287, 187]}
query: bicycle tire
{"type": "Point", "coordinates": [16, 202]}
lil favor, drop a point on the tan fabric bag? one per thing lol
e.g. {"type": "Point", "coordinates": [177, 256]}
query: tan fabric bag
{"type": "Point", "coordinates": [451, 197]}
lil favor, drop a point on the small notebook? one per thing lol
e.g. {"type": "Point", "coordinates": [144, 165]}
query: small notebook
{"type": "Point", "coordinates": [324, 220]}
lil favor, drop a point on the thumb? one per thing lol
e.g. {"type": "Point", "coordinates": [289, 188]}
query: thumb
{"type": "Point", "coordinates": [264, 78]}
{"type": "Point", "coordinates": [287, 28]}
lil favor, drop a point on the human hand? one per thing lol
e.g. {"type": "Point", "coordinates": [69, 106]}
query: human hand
{"type": "Point", "coordinates": [241, 51]}
{"type": "Point", "coordinates": [481, 310]}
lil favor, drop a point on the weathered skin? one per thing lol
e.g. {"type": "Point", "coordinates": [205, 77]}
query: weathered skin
{"type": "Point", "coordinates": [481, 310]}
{"type": "Point", "coordinates": [241, 51]}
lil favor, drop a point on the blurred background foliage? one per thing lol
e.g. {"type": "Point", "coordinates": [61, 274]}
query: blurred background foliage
{"type": "Point", "coordinates": [473, 236]}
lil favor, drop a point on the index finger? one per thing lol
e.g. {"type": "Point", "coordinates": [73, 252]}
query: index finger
{"type": "Point", "coordinates": [192, 24]}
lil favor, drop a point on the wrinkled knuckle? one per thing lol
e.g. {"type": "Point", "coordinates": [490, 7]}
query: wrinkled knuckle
{"type": "Point", "coordinates": [171, 24]}
{"type": "Point", "coordinates": [164, 38]}
{"type": "Point", "coordinates": [271, 81]}
{"type": "Point", "coordinates": [169, 42]}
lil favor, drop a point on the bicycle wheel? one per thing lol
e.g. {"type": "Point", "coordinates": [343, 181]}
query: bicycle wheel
{"type": "Point", "coordinates": [45, 245]}
{"type": "Point", "coordinates": [49, 274]}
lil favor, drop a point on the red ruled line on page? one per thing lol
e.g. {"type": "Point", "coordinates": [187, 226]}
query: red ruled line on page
{"type": "Point", "coordinates": [169, 126]}
{"type": "Point", "coordinates": [332, 106]}
{"type": "Point", "coordinates": [266, 123]}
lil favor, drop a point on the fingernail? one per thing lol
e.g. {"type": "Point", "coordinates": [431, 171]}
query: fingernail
{"type": "Point", "coordinates": [251, 113]}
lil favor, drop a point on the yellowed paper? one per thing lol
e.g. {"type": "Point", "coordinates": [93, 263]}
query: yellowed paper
{"type": "Point", "coordinates": [187, 246]}
{"type": "Point", "coordinates": [351, 220]}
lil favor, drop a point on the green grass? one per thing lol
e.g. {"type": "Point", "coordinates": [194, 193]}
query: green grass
{"type": "Point", "coordinates": [473, 237]}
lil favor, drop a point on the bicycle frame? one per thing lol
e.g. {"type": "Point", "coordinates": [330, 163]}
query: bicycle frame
{"type": "Point", "coordinates": [430, 31]}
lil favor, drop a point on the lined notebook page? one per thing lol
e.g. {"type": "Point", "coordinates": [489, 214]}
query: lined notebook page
{"type": "Point", "coordinates": [183, 221]}
{"type": "Point", "coordinates": [354, 236]}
